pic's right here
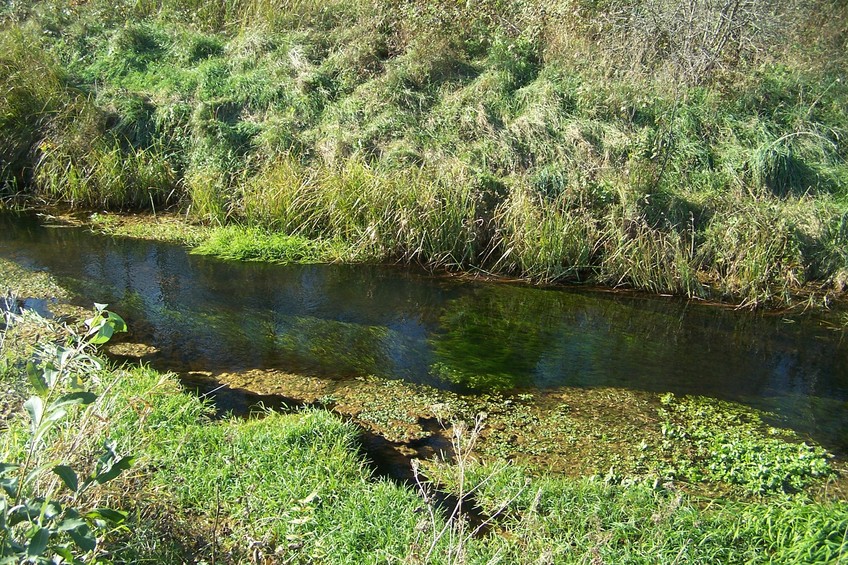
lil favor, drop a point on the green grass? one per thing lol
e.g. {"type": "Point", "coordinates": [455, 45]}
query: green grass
{"type": "Point", "coordinates": [552, 520]}
{"type": "Point", "coordinates": [296, 488]}
{"type": "Point", "coordinates": [291, 485]}
{"type": "Point", "coordinates": [517, 138]}
{"type": "Point", "coordinates": [250, 244]}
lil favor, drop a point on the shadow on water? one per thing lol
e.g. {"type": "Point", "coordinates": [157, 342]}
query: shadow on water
{"type": "Point", "coordinates": [342, 322]}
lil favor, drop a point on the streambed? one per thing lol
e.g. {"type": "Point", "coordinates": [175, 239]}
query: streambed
{"type": "Point", "coordinates": [555, 368]}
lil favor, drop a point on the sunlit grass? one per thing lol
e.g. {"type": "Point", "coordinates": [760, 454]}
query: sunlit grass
{"type": "Point", "coordinates": [437, 134]}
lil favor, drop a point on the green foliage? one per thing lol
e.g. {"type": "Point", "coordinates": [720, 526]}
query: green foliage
{"type": "Point", "coordinates": [251, 244]}
{"type": "Point", "coordinates": [296, 487]}
{"type": "Point", "coordinates": [575, 521]}
{"type": "Point", "coordinates": [301, 477]}
{"type": "Point", "coordinates": [717, 443]}
{"type": "Point", "coordinates": [33, 89]}
{"type": "Point", "coordinates": [589, 141]}
{"type": "Point", "coordinates": [36, 524]}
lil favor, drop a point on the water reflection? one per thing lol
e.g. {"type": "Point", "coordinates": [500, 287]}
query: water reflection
{"type": "Point", "coordinates": [347, 321]}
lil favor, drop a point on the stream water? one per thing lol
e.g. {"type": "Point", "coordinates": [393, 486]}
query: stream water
{"type": "Point", "coordinates": [341, 322]}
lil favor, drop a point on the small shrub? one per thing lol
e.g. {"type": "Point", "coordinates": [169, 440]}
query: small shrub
{"type": "Point", "coordinates": [37, 524]}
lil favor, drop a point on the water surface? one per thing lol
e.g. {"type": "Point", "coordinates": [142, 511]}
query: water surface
{"type": "Point", "coordinates": [343, 321]}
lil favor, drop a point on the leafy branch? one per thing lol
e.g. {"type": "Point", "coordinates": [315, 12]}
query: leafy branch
{"type": "Point", "coordinates": [39, 528]}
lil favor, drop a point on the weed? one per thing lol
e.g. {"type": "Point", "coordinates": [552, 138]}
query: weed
{"type": "Point", "coordinates": [732, 447]}
{"type": "Point", "coordinates": [38, 523]}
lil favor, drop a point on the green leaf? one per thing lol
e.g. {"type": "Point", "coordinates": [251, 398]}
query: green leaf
{"type": "Point", "coordinates": [103, 325]}
{"type": "Point", "coordinates": [34, 375]}
{"type": "Point", "coordinates": [8, 468]}
{"type": "Point", "coordinates": [115, 469]}
{"type": "Point", "coordinates": [63, 354]}
{"type": "Point", "coordinates": [51, 510]}
{"type": "Point", "coordinates": [104, 333]}
{"type": "Point", "coordinates": [65, 554]}
{"type": "Point", "coordinates": [51, 375]}
{"type": "Point", "coordinates": [68, 476]}
{"type": "Point", "coordinates": [10, 486]}
{"type": "Point", "coordinates": [38, 543]}
{"type": "Point", "coordinates": [49, 422]}
{"type": "Point", "coordinates": [71, 399]}
{"type": "Point", "coordinates": [27, 512]}
{"type": "Point", "coordinates": [35, 408]}
{"type": "Point", "coordinates": [83, 537]}
{"type": "Point", "coordinates": [117, 323]}
{"type": "Point", "coordinates": [107, 514]}
{"type": "Point", "coordinates": [69, 524]}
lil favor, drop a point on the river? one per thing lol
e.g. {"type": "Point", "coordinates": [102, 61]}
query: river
{"type": "Point", "coordinates": [346, 321]}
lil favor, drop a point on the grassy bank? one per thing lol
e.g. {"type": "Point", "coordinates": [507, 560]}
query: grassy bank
{"type": "Point", "coordinates": [297, 487]}
{"type": "Point", "coordinates": [557, 141]}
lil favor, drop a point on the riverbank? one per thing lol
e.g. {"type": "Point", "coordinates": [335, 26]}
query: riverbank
{"type": "Point", "coordinates": [552, 143]}
{"type": "Point", "coordinates": [708, 481]}
{"type": "Point", "coordinates": [240, 242]}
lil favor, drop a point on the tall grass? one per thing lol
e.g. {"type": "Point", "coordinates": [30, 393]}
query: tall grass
{"type": "Point", "coordinates": [549, 142]}
{"type": "Point", "coordinates": [759, 249]}
{"type": "Point", "coordinates": [105, 176]}
{"type": "Point", "coordinates": [547, 241]}
{"type": "Point", "coordinates": [34, 89]}
{"type": "Point", "coordinates": [412, 215]}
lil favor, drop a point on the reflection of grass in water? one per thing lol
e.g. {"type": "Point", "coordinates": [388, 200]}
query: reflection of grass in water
{"type": "Point", "coordinates": [491, 339]}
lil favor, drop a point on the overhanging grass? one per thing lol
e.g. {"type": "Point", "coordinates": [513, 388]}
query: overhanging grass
{"type": "Point", "coordinates": [564, 145]}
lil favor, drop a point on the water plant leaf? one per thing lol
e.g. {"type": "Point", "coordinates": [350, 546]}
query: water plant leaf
{"type": "Point", "coordinates": [50, 375]}
{"type": "Point", "coordinates": [63, 354]}
{"type": "Point", "coordinates": [38, 543]}
{"type": "Point", "coordinates": [68, 476]}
